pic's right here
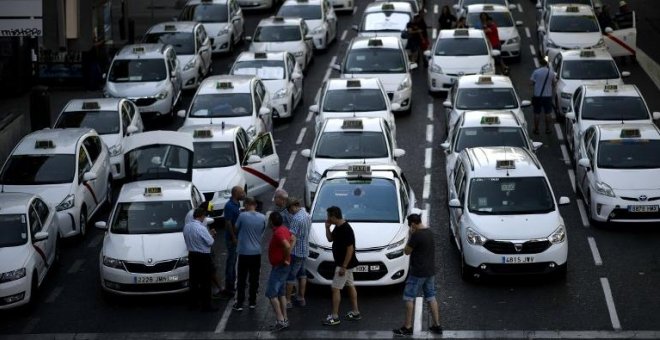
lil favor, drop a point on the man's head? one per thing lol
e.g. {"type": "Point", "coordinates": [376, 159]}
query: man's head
{"type": "Point", "coordinates": [623, 6]}
{"type": "Point", "coordinates": [275, 219]}
{"type": "Point", "coordinates": [334, 215]}
{"type": "Point", "coordinates": [293, 205]}
{"type": "Point", "coordinates": [237, 193]}
{"type": "Point", "coordinates": [280, 197]}
{"type": "Point", "coordinates": [483, 16]}
{"type": "Point", "coordinates": [250, 203]}
{"type": "Point", "coordinates": [414, 221]}
{"type": "Point", "coordinates": [200, 213]}
{"type": "Point", "coordinates": [543, 61]}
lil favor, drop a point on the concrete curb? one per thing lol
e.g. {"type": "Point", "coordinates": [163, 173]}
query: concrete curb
{"type": "Point", "coordinates": [650, 66]}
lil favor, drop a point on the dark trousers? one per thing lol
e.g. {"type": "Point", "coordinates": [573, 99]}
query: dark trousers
{"type": "Point", "coordinates": [230, 265]}
{"type": "Point", "coordinates": [201, 269]}
{"type": "Point", "coordinates": [248, 265]}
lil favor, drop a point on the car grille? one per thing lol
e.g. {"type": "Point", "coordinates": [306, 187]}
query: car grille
{"type": "Point", "coordinates": [636, 199]}
{"type": "Point", "coordinates": [624, 214]}
{"type": "Point", "coordinates": [506, 247]}
{"type": "Point", "coordinates": [327, 271]}
{"type": "Point", "coordinates": [460, 75]}
{"type": "Point", "coordinates": [144, 101]}
{"type": "Point", "coordinates": [161, 267]}
{"type": "Point", "coordinates": [155, 287]}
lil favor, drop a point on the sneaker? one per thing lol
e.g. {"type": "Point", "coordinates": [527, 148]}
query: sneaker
{"type": "Point", "coordinates": [403, 331]}
{"type": "Point", "coordinates": [436, 329]}
{"type": "Point", "coordinates": [285, 323]}
{"type": "Point", "coordinates": [353, 316]}
{"type": "Point", "coordinates": [278, 326]}
{"type": "Point", "coordinates": [237, 307]}
{"type": "Point", "coordinates": [253, 305]}
{"type": "Point", "coordinates": [289, 305]}
{"type": "Point", "coordinates": [331, 321]}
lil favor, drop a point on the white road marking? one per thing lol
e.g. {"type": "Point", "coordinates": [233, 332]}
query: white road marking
{"type": "Point", "coordinates": [343, 35]}
{"type": "Point", "coordinates": [536, 63]}
{"type": "Point", "coordinates": [427, 158]}
{"type": "Point", "coordinates": [75, 267]}
{"type": "Point", "coordinates": [528, 33]}
{"type": "Point", "coordinates": [435, 9]}
{"type": "Point", "coordinates": [532, 50]}
{"type": "Point", "coordinates": [560, 135]}
{"type": "Point", "coordinates": [594, 251]}
{"type": "Point", "coordinates": [583, 213]}
{"type": "Point", "coordinates": [282, 181]}
{"type": "Point", "coordinates": [310, 115]}
{"type": "Point", "coordinates": [434, 33]}
{"type": "Point", "coordinates": [429, 133]}
{"type": "Point", "coordinates": [564, 153]}
{"type": "Point", "coordinates": [301, 136]}
{"type": "Point", "coordinates": [222, 324]}
{"type": "Point", "coordinates": [417, 320]}
{"type": "Point", "coordinates": [354, 10]}
{"type": "Point", "coordinates": [571, 176]}
{"type": "Point", "coordinates": [327, 74]}
{"type": "Point", "coordinates": [426, 214]}
{"type": "Point", "coordinates": [427, 187]}
{"type": "Point", "coordinates": [520, 8]}
{"type": "Point", "coordinates": [610, 303]}
{"type": "Point", "coordinates": [54, 294]}
{"type": "Point", "coordinates": [292, 158]}
{"type": "Point", "coordinates": [95, 241]}
{"type": "Point", "coordinates": [429, 111]}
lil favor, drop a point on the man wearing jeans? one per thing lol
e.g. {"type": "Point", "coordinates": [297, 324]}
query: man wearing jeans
{"type": "Point", "coordinates": [421, 248]}
{"type": "Point", "coordinates": [300, 224]}
{"type": "Point", "coordinates": [543, 81]}
{"type": "Point", "coordinates": [231, 212]}
{"type": "Point", "coordinates": [279, 256]}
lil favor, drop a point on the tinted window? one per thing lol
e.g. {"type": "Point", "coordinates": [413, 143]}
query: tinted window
{"type": "Point", "coordinates": [574, 24]}
{"type": "Point", "coordinates": [343, 145]}
{"type": "Point", "coordinates": [385, 21]}
{"type": "Point", "coordinates": [359, 100]}
{"type": "Point", "coordinates": [150, 217]}
{"type": "Point", "coordinates": [375, 60]}
{"type": "Point", "coordinates": [487, 98]}
{"type": "Point", "coordinates": [183, 42]}
{"type": "Point", "coordinates": [42, 209]}
{"type": "Point", "coordinates": [277, 33]}
{"type": "Point", "coordinates": [494, 2]}
{"type": "Point", "coordinates": [213, 155]}
{"type": "Point", "coordinates": [510, 195]}
{"type": "Point", "coordinates": [39, 169]}
{"type": "Point", "coordinates": [589, 69]}
{"type": "Point", "coordinates": [104, 122]}
{"type": "Point", "coordinates": [472, 137]}
{"type": "Point", "coordinates": [138, 70]}
{"type": "Point", "coordinates": [629, 154]}
{"type": "Point", "coordinates": [461, 47]}
{"type": "Point", "coordinates": [205, 13]}
{"type": "Point", "coordinates": [158, 161]}
{"type": "Point", "coordinates": [13, 230]}
{"type": "Point", "coordinates": [300, 11]}
{"type": "Point", "coordinates": [264, 69]}
{"type": "Point", "coordinates": [222, 105]}
{"type": "Point", "coordinates": [93, 146]}
{"type": "Point", "coordinates": [372, 200]}
{"type": "Point", "coordinates": [502, 19]}
{"type": "Point", "coordinates": [614, 108]}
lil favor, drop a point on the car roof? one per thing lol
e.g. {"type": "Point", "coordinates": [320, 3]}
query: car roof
{"type": "Point", "coordinates": [472, 33]}
{"type": "Point", "coordinates": [480, 81]}
{"type": "Point", "coordinates": [262, 55]}
{"type": "Point", "coordinates": [275, 20]}
{"type": "Point", "coordinates": [342, 83]}
{"type": "Point", "coordinates": [197, 2]}
{"type": "Point", "coordinates": [399, 6]}
{"type": "Point", "coordinates": [504, 118]}
{"type": "Point", "coordinates": [595, 54]}
{"type": "Point", "coordinates": [239, 84]}
{"type": "Point", "coordinates": [64, 141]}
{"type": "Point", "coordinates": [139, 51]}
{"type": "Point", "coordinates": [93, 104]}
{"type": "Point", "coordinates": [212, 132]}
{"type": "Point", "coordinates": [622, 90]}
{"type": "Point", "coordinates": [173, 26]}
{"type": "Point", "coordinates": [14, 202]}
{"type": "Point", "coordinates": [387, 42]}
{"type": "Point", "coordinates": [171, 190]}
{"type": "Point", "coordinates": [483, 162]}
{"type": "Point", "coordinates": [487, 8]}
{"type": "Point", "coordinates": [372, 124]}
{"type": "Point", "coordinates": [567, 9]}
{"type": "Point", "coordinates": [614, 131]}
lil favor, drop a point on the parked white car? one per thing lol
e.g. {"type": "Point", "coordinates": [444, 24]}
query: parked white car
{"type": "Point", "coordinates": [277, 34]}
{"type": "Point", "coordinates": [319, 16]}
{"type": "Point", "coordinates": [222, 19]}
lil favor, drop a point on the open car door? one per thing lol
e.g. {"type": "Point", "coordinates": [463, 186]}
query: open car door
{"type": "Point", "coordinates": [623, 41]}
{"type": "Point", "coordinates": [261, 165]}
{"type": "Point", "coordinates": [159, 155]}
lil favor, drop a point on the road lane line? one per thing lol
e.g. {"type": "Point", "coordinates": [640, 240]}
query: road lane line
{"type": "Point", "coordinates": [429, 111]}
{"type": "Point", "coordinates": [417, 321]}
{"type": "Point", "coordinates": [583, 213]}
{"type": "Point", "coordinates": [564, 153]}
{"type": "Point", "coordinates": [75, 267]}
{"type": "Point", "coordinates": [594, 251]}
{"type": "Point", "coordinates": [282, 181]}
{"type": "Point", "coordinates": [435, 9]}
{"type": "Point", "coordinates": [426, 214]}
{"type": "Point", "coordinates": [610, 303]}
{"type": "Point", "coordinates": [528, 33]}
{"type": "Point", "coordinates": [222, 324]}
{"type": "Point", "coordinates": [310, 115]}
{"type": "Point", "coordinates": [95, 241]}
{"type": "Point", "coordinates": [536, 63]}
{"type": "Point", "coordinates": [429, 133]}
{"type": "Point", "coordinates": [427, 187]}
{"type": "Point", "coordinates": [301, 136]}
{"type": "Point", "coordinates": [354, 10]}
{"type": "Point", "coordinates": [560, 135]}
{"type": "Point", "coordinates": [434, 33]}
{"type": "Point", "coordinates": [292, 158]}
{"type": "Point", "coordinates": [520, 8]}
{"type": "Point", "coordinates": [571, 176]}
{"type": "Point", "coordinates": [532, 50]}
{"type": "Point", "coordinates": [343, 35]}
{"type": "Point", "coordinates": [54, 294]}
{"type": "Point", "coordinates": [427, 158]}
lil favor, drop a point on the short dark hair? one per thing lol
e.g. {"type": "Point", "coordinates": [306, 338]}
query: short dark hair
{"type": "Point", "coordinates": [543, 61]}
{"type": "Point", "coordinates": [275, 219]}
{"type": "Point", "coordinates": [335, 212]}
{"type": "Point", "coordinates": [414, 218]}
{"type": "Point", "coordinates": [199, 212]}
{"type": "Point", "coordinates": [204, 205]}
{"type": "Point", "coordinates": [249, 201]}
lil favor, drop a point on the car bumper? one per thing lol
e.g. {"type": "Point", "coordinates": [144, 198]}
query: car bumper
{"type": "Point", "coordinates": [221, 43]}
{"type": "Point", "coordinates": [441, 82]}
{"type": "Point", "coordinates": [152, 106]}
{"type": "Point", "coordinates": [282, 108]}
{"type": "Point", "coordinates": [70, 222]}
{"type": "Point", "coordinates": [122, 282]}
{"type": "Point", "coordinates": [510, 50]}
{"type": "Point", "coordinates": [15, 293]}
{"type": "Point", "coordinates": [484, 261]}
{"type": "Point", "coordinates": [403, 98]}
{"type": "Point", "coordinates": [616, 209]}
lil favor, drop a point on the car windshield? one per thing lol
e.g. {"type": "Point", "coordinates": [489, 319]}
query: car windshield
{"type": "Point", "coordinates": [213, 155]}
{"type": "Point", "coordinates": [159, 217]}
{"type": "Point", "coordinates": [574, 24]}
{"type": "Point", "coordinates": [472, 137]}
{"type": "Point", "coordinates": [387, 21]}
{"type": "Point", "coordinates": [104, 122]}
{"type": "Point", "coordinates": [633, 153]}
{"type": "Point", "coordinates": [354, 100]}
{"type": "Point", "coordinates": [264, 69]}
{"type": "Point", "coordinates": [502, 19]}
{"type": "Point", "coordinates": [480, 2]}
{"type": "Point", "coordinates": [277, 33]}
{"type": "Point", "coordinates": [183, 42]}
{"type": "Point", "coordinates": [375, 60]}
{"type": "Point", "coordinates": [614, 108]}
{"type": "Point", "coordinates": [589, 69]}
{"type": "Point", "coordinates": [360, 200]}
{"type": "Point", "coordinates": [486, 98]}
{"type": "Point", "coordinates": [457, 47]}
{"type": "Point", "coordinates": [510, 195]}
{"type": "Point", "coordinates": [13, 230]}
{"type": "Point", "coordinates": [205, 13]}
{"type": "Point", "coordinates": [352, 145]}
{"type": "Point", "coordinates": [39, 169]}
{"type": "Point", "coordinates": [159, 161]}
{"type": "Point", "coordinates": [137, 70]}
{"type": "Point", "coordinates": [221, 105]}
{"type": "Point", "coordinates": [555, 2]}
{"type": "Point", "coordinates": [307, 12]}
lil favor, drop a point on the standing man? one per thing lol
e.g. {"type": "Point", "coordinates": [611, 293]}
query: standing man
{"type": "Point", "coordinates": [250, 227]}
{"type": "Point", "coordinates": [279, 251]}
{"type": "Point", "coordinates": [343, 252]}
{"type": "Point", "coordinates": [421, 248]}
{"type": "Point", "coordinates": [199, 241]}
{"type": "Point", "coordinates": [231, 212]}
{"type": "Point", "coordinates": [624, 17]}
{"type": "Point", "coordinates": [300, 225]}
{"type": "Point", "coordinates": [543, 80]}
{"type": "Point", "coordinates": [280, 199]}
{"type": "Point", "coordinates": [493, 35]}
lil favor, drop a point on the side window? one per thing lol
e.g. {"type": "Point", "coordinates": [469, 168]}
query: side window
{"type": "Point", "coordinates": [125, 118]}
{"type": "Point", "coordinates": [42, 210]}
{"type": "Point", "coordinates": [258, 98]}
{"type": "Point", "coordinates": [458, 174]}
{"type": "Point", "coordinates": [461, 190]}
{"type": "Point", "coordinates": [587, 136]}
{"type": "Point", "coordinates": [388, 136]}
{"type": "Point", "coordinates": [171, 60]}
{"type": "Point", "coordinates": [591, 147]}
{"type": "Point", "coordinates": [405, 201]}
{"type": "Point", "coordinates": [262, 146]}
{"type": "Point", "coordinates": [84, 165]}
{"type": "Point", "coordinates": [195, 197]}
{"type": "Point", "coordinates": [240, 146]}
{"type": "Point", "coordinates": [577, 101]}
{"type": "Point", "coordinates": [35, 224]}
{"type": "Point", "coordinates": [93, 146]}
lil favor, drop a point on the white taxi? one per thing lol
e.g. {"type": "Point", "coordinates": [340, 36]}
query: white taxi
{"type": "Point", "coordinates": [476, 92]}
{"type": "Point", "coordinates": [112, 118]}
{"type": "Point", "coordinates": [353, 97]}
{"type": "Point", "coordinates": [225, 157]}
{"type": "Point", "coordinates": [486, 128]}
{"type": "Point", "coordinates": [461, 6]}
{"type": "Point", "coordinates": [277, 34]}
{"type": "Point", "coordinates": [319, 16]}
{"type": "Point", "coordinates": [383, 58]}
{"type": "Point", "coordinates": [507, 28]}
{"type": "Point", "coordinates": [28, 247]}
{"type": "Point", "coordinates": [375, 200]}
{"type": "Point", "coordinates": [605, 104]}
{"type": "Point", "coordinates": [222, 19]}
{"type": "Point", "coordinates": [69, 168]}
{"type": "Point", "coordinates": [584, 67]}
{"type": "Point", "coordinates": [192, 47]}
{"type": "Point", "coordinates": [281, 75]}
{"type": "Point", "coordinates": [385, 19]}
{"type": "Point", "coordinates": [458, 53]}
{"type": "Point", "coordinates": [341, 141]}
{"type": "Point", "coordinates": [617, 173]}
{"type": "Point", "coordinates": [569, 27]}
{"type": "Point", "coordinates": [235, 100]}
{"type": "Point", "coordinates": [147, 74]}
{"type": "Point", "coordinates": [503, 215]}
{"type": "Point", "coordinates": [143, 249]}
{"type": "Point", "coordinates": [416, 5]}
{"type": "Point", "coordinates": [543, 6]}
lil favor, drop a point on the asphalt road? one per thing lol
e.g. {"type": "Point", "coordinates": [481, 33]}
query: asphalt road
{"type": "Point", "coordinates": [610, 289]}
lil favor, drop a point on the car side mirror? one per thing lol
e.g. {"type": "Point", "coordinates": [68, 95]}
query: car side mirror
{"type": "Point", "coordinates": [101, 225]}
{"type": "Point", "coordinates": [496, 53]}
{"type": "Point", "coordinates": [355, 27]}
{"type": "Point", "coordinates": [541, 29]}
{"type": "Point", "coordinates": [308, 37]}
{"type": "Point", "coordinates": [427, 53]}
{"type": "Point", "coordinates": [131, 129]}
{"type": "Point", "coordinates": [536, 146]}
{"type": "Point", "coordinates": [248, 38]}
{"type": "Point", "coordinates": [446, 104]}
{"type": "Point", "coordinates": [583, 162]}
{"type": "Point", "coordinates": [173, 75]}
{"type": "Point", "coordinates": [40, 236]}
{"type": "Point", "coordinates": [336, 67]}
{"type": "Point", "coordinates": [445, 146]}
{"type": "Point", "coordinates": [264, 111]}
{"type": "Point", "coordinates": [525, 103]}
{"type": "Point", "coordinates": [209, 220]}
{"type": "Point", "coordinates": [399, 153]}
{"type": "Point", "coordinates": [512, 6]}
{"type": "Point", "coordinates": [314, 108]}
{"type": "Point", "coordinates": [564, 200]}
{"type": "Point", "coordinates": [307, 153]}
{"type": "Point", "coordinates": [456, 7]}
{"type": "Point", "coordinates": [656, 115]}
{"type": "Point", "coordinates": [625, 74]}
{"type": "Point", "coordinates": [395, 106]}
{"type": "Point", "coordinates": [236, 18]}
{"type": "Point", "coordinates": [89, 176]}
{"type": "Point", "coordinates": [519, 23]}
{"type": "Point", "coordinates": [253, 159]}
{"type": "Point", "coordinates": [538, 5]}
{"type": "Point", "coordinates": [608, 30]}
{"type": "Point", "coordinates": [412, 66]}
{"type": "Point", "coordinates": [454, 203]}
{"type": "Point", "coordinates": [570, 115]}
{"type": "Point", "coordinates": [181, 113]}
{"type": "Point", "coordinates": [104, 75]}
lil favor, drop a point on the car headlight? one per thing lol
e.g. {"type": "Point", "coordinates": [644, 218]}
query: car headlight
{"type": "Point", "coordinates": [513, 40]}
{"type": "Point", "coordinates": [435, 68]}
{"type": "Point", "coordinates": [252, 131]}
{"type": "Point", "coordinates": [394, 254]}
{"type": "Point", "coordinates": [313, 245]}
{"type": "Point", "coordinates": [318, 30]}
{"type": "Point", "coordinates": [601, 43]}
{"type": "Point", "coordinates": [396, 244]}
{"type": "Point", "coordinates": [314, 176]}
{"type": "Point", "coordinates": [604, 189]}
{"type": "Point", "coordinates": [551, 44]}
{"type": "Point", "coordinates": [162, 95]}
{"type": "Point", "coordinates": [566, 95]}
{"type": "Point", "coordinates": [487, 68]}
{"type": "Point", "coordinates": [405, 83]}
{"type": "Point", "coordinates": [298, 53]}
{"type": "Point", "coordinates": [475, 238]}
{"type": "Point", "coordinates": [182, 262]}
{"type": "Point", "coordinates": [67, 203]}
{"type": "Point", "coordinates": [224, 31]}
{"type": "Point", "coordinates": [115, 150]}
{"type": "Point", "coordinates": [281, 93]}
{"type": "Point", "coordinates": [13, 275]}
{"type": "Point", "coordinates": [190, 64]}
{"type": "Point", "coordinates": [558, 236]}
{"type": "Point", "coordinates": [113, 263]}
{"type": "Point", "coordinates": [224, 193]}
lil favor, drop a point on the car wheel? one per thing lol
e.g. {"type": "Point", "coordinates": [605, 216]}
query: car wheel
{"type": "Point", "coordinates": [83, 223]}
{"type": "Point", "coordinates": [34, 290]}
{"type": "Point", "coordinates": [467, 273]}
{"type": "Point", "coordinates": [108, 193]}
{"type": "Point", "coordinates": [230, 49]}
{"type": "Point", "coordinates": [57, 261]}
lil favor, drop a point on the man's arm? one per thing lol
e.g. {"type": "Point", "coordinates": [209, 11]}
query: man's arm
{"type": "Point", "coordinates": [407, 250]}
{"type": "Point", "coordinates": [349, 255]}
{"type": "Point", "coordinates": [287, 247]}
{"type": "Point", "coordinates": [328, 233]}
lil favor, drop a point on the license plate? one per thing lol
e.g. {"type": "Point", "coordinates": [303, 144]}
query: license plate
{"type": "Point", "coordinates": [643, 208]}
{"type": "Point", "coordinates": [154, 279]}
{"type": "Point", "coordinates": [517, 259]}
{"type": "Point", "coordinates": [362, 269]}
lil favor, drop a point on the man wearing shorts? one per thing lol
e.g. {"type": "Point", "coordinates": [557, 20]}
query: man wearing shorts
{"type": "Point", "coordinates": [543, 80]}
{"type": "Point", "coordinates": [421, 276]}
{"type": "Point", "coordinates": [343, 252]}
{"type": "Point", "coordinates": [279, 251]}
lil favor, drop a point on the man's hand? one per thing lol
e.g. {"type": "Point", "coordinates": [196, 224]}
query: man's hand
{"type": "Point", "coordinates": [342, 271]}
{"type": "Point", "coordinates": [213, 232]}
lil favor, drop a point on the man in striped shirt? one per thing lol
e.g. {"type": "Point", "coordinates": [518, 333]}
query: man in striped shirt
{"type": "Point", "coordinates": [300, 224]}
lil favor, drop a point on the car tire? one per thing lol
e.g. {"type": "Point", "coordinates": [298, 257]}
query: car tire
{"type": "Point", "coordinates": [57, 261]}
{"type": "Point", "coordinates": [34, 291]}
{"type": "Point", "coordinates": [82, 224]}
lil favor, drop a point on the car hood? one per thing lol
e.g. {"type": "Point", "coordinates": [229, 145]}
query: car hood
{"type": "Point", "coordinates": [184, 59]}
{"type": "Point", "coordinates": [136, 89]}
{"type": "Point", "coordinates": [367, 235]}
{"type": "Point", "coordinates": [313, 24]}
{"type": "Point", "coordinates": [51, 193]}
{"type": "Point", "coordinates": [575, 40]}
{"type": "Point", "coordinates": [215, 179]}
{"type": "Point", "coordinates": [212, 29]}
{"type": "Point", "coordinates": [570, 85]}
{"type": "Point", "coordinates": [631, 179]}
{"type": "Point", "coordinates": [390, 81]}
{"type": "Point", "coordinates": [290, 46]}
{"type": "Point", "coordinates": [506, 33]}
{"type": "Point", "coordinates": [15, 257]}
{"type": "Point", "coordinates": [141, 248]}
{"type": "Point", "coordinates": [516, 227]}
{"type": "Point", "coordinates": [274, 85]}
{"type": "Point", "coordinates": [466, 64]}
{"type": "Point", "coordinates": [110, 140]}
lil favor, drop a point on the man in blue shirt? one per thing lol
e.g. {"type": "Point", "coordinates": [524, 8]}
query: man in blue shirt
{"type": "Point", "coordinates": [231, 212]}
{"type": "Point", "coordinates": [250, 227]}
{"type": "Point", "coordinates": [198, 242]}
{"type": "Point", "coordinates": [543, 80]}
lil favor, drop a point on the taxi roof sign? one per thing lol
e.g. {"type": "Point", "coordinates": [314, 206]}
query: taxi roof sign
{"type": "Point", "coordinates": [587, 54]}
{"type": "Point", "coordinates": [461, 32]}
{"type": "Point", "coordinates": [505, 164]}
{"type": "Point", "coordinates": [490, 120]}
{"type": "Point", "coordinates": [278, 19]}
{"type": "Point", "coordinates": [611, 88]}
{"type": "Point", "coordinates": [488, 8]}
{"type": "Point", "coordinates": [153, 191]}
{"type": "Point", "coordinates": [44, 144]}
{"type": "Point", "coordinates": [202, 134]}
{"type": "Point", "coordinates": [631, 133]}
{"type": "Point", "coordinates": [387, 7]}
{"type": "Point", "coordinates": [223, 85]}
{"type": "Point", "coordinates": [375, 42]}
{"type": "Point", "coordinates": [485, 80]}
{"type": "Point", "coordinates": [170, 28]}
{"type": "Point", "coordinates": [572, 9]}
{"type": "Point", "coordinates": [352, 124]}
{"type": "Point", "coordinates": [359, 169]}
{"type": "Point", "coordinates": [91, 106]}
{"type": "Point", "coordinates": [260, 55]}
{"type": "Point", "coordinates": [353, 83]}
{"type": "Point", "coordinates": [138, 49]}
